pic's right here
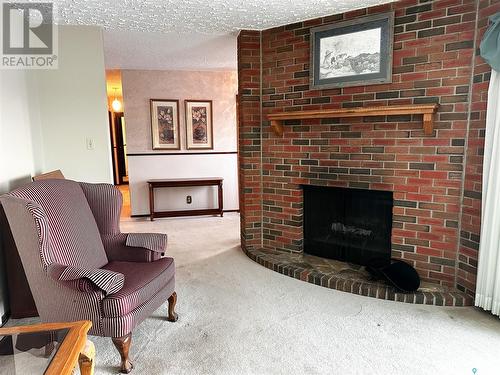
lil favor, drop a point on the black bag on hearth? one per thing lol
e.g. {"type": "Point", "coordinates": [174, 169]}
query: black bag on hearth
{"type": "Point", "coordinates": [396, 272]}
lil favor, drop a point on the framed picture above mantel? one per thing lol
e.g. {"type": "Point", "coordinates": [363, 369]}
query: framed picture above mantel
{"type": "Point", "coordinates": [357, 52]}
{"type": "Point", "coordinates": [199, 125]}
{"type": "Point", "coordinates": [165, 124]}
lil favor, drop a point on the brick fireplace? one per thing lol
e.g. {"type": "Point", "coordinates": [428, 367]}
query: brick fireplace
{"type": "Point", "coordinates": [435, 179]}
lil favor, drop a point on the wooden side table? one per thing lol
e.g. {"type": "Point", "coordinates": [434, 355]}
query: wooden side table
{"type": "Point", "coordinates": [62, 345]}
{"type": "Point", "coordinates": [186, 182]}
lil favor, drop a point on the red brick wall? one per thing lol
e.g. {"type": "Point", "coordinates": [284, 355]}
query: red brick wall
{"type": "Point", "coordinates": [249, 119]}
{"type": "Point", "coordinates": [432, 63]}
{"type": "Point", "coordinates": [471, 208]}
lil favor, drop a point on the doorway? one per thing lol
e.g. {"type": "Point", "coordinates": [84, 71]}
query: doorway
{"type": "Point", "coordinates": [118, 147]}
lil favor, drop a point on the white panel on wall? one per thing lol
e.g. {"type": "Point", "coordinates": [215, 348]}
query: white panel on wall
{"type": "Point", "coordinates": [143, 168]}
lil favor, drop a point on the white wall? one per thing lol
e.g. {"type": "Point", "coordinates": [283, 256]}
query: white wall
{"type": "Point", "coordinates": [73, 107]}
{"type": "Point", "coordinates": [139, 86]}
{"type": "Point", "coordinates": [21, 154]}
{"type": "Point", "coordinates": [47, 115]}
{"type": "Point", "coordinates": [20, 139]}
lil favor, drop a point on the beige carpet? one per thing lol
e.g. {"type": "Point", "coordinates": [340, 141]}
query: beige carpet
{"type": "Point", "coordinates": [237, 317]}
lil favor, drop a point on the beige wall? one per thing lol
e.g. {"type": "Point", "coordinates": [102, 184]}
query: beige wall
{"type": "Point", "coordinates": [139, 86]}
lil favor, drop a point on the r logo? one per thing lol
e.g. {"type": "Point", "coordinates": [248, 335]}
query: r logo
{"type": "Point", "coordinates": [27, 29]}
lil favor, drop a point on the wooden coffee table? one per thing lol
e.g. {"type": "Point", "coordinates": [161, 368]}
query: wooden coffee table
{"type": "Point", "coordinates": [50, 349]}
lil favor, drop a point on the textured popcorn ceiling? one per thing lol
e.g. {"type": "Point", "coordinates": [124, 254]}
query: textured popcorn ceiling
{"type": "Point", "coordinates": [190, 34]}
{"type": "Point", "coordinates": [169, 51]}
{"type": "Point", "coordinates": [203, 16]}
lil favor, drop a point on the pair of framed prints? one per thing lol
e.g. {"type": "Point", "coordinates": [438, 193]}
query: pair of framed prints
{"type": "Point", "coordinates": [165, 124]}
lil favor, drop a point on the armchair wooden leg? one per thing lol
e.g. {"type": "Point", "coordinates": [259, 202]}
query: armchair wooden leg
{"type": "Point", "coordinates": [172, 315]}
{"type": "Point", "coordinates": [122, 344]}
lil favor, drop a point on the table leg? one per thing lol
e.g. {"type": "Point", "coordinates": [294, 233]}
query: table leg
{"type": "Point", "coordinates": [86, 360]}
{"type": "Point", "coordinates": [49, 348]}
{"type": "Point", "coordinates": [221, 200]}
{"type": "Point", "coordinates": [151, 203]}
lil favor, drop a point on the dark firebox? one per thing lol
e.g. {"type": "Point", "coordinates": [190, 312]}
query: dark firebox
{"type": "Point", "coordinates": [352, 225]}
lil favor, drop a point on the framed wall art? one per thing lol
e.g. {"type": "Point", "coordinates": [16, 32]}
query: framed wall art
{"type": "Point", "coordinates": [199, 126]}
{"type": "Point", "coordinates": [352, 53]}
{"type": "Point", "coordinates": [165, 124]}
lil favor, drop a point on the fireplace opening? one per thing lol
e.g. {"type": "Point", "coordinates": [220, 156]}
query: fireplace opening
{"type": "Point", "coordinates": [351, 225]}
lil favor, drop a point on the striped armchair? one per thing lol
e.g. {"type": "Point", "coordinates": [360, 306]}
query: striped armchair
{"type": "Point", "coordinates": [81, 267]}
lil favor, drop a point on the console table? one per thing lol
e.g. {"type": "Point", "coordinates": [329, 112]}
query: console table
{"type": "Point", "coordinates": [185, 182]}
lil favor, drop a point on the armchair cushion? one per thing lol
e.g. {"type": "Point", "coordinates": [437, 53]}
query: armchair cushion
{"type": "Point", "coordinates": [142, 282]}
{"type": "Point", "coordinates": [84, 280]}
{"type": "Point", "coordinates": [151, 241]}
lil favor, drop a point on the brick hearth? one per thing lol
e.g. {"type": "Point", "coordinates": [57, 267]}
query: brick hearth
{"type": "Point", "coordinates": [353, 279]}
{"type": "Point", "coordinates": [436, 179]}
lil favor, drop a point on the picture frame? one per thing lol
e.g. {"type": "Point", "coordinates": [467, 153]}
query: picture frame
{"type": "Point", "coordinates": [357, 52]}
{"type": "Point", "coordinates": [199, 125]}
{"type": "Point", "coordinates": [165, 128]}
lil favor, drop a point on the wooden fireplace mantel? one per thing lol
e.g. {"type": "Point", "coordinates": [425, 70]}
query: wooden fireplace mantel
{"type": "Point", "coordinates": [427, 110]}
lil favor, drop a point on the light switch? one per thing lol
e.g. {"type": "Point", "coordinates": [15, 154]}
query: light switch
{"type": "Point", "coordinates": [90, 143]}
